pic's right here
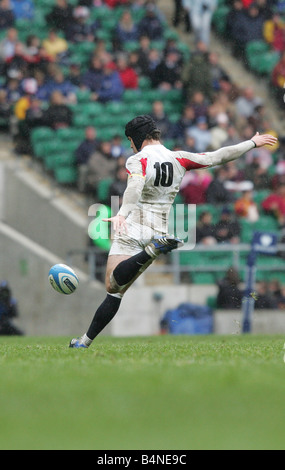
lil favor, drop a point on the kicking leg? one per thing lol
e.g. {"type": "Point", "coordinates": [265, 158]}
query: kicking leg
{"type": "Point", "coordinates": [121, 273]}
{"type": "Point", "coordinates": [126, 270]}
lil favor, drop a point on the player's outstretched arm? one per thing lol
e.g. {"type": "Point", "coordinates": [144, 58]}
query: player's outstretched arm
{"type": "Point", "coordinates": [192, 161]}
{"type": "Point", "coordinates": [262, 140]}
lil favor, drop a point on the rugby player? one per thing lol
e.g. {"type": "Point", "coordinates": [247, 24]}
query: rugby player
{"type": "Point", "coordinates": [141, 225]}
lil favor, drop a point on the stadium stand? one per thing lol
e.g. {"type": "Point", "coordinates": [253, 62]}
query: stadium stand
{"type": "Point", "coordinates": [85, 40]}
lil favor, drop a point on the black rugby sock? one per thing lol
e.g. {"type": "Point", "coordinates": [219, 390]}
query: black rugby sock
{"type": "Point", "coordinates": [128, 269]}
{"type": "Point", "coordinates": [104, 314]}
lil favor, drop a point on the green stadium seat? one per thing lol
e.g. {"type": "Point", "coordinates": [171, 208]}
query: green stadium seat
{"type": "Point", "coordinates": [132, 96]}
{"type": "Point", "coordinates": [58, 160]}
{"type": "Point", "coordinates": [81, 120]}
{"type": "Point", "coordinates": [254, 48]}
{"type": "Point", "coordinates": [260, 195]}
{"type": "Point", "coordinates": [83, 96]}
{"type": "Point", "coordinates": [267, 62]}
{"type": "Point", "coordinates": [103, 189]}
{"type": "Point", "coordinates": [66, 175]}
{"type": "Point", "coordinates": [40, 134]}
{"type": "Point", "coordinates": [144, 83]}
{"type": "Point", "coordinates": [219, 18]}
{"type": "Point", "coordinates": [116, 108]}
{"type": "Point", "coordinates": [203, 278]}
{"type": "Point", "coordinates": [71, 134]}
{"type": "Point", "coordinates": [212, 302]}
{"type": "Point", "coordinates": [141, 107]}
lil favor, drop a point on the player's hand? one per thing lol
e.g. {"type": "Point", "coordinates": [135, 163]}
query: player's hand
{"type": "Point", "coordinates": [262, 140]}
{"type": "Point", "coordinates": [119, 223]}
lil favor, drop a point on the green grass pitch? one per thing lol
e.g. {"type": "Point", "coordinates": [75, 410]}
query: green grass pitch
{"type": "Point", "coordinates": [156, 393]}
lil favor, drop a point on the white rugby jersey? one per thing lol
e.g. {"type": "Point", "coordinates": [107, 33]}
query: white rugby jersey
{"type": "Point", "coordinates": [155, 175]}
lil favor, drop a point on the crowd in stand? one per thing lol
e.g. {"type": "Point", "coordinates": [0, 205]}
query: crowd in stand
{"type": "Point", "coordinates": [40, 82]}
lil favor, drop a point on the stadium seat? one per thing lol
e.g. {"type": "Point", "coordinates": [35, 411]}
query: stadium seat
{"type": "Point", "coordinates": [103, 189]}
{"type": "Point", "coordinates": [83, 96]}
{"type": "Point", "coordinates": [66, 175]}
{"type": "Point", "coordinates": [58, 160]}
{"type": "Point", "coordinates": [40, 134]}
{"type": "Point", "coordinates": [219, 18]}
{"type": "Point", "coordinates": [144, 83]}
{"type": "Point", "coordinates": [203, 278]}
{"type": "Point", "coordinates": [116, 107]}
{"type": "Point", "coordinates": [131, 96]}
{"type": "Point", "coordinates": [254, 48]}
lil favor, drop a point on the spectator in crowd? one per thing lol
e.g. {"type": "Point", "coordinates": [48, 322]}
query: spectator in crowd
{"type": "Point", "coordinates": [274, 204]}
{"type": "Point", "coordinates": [181, 14]}
{"type": "Point", "coordinates": [194, 186]}
{"type": "Point", "coordinates": [153, 61]}
{"type": "Point", "coordinates": [113, 3]}
{"type": "Point", "coordinates": [60, 83]}
{"type": "Point", "coordinates": [35, 114]}
{"type": "Point", "coordinates": [143, 54]}
{"type": "Point", "coordinates": [29, 87]}
{"type": "Point", "coordinates": [189, 144]}
{"type": "Point", "coordinates": [128, 75]}
{"type": "Point", "coordinates": [230, 294]}
{"type": "Point", "coordinates": [22, 129]}
{"type": "Point", "coordinates": [205, 232]}
{"type": "Point", "coordinates": [23, 9]}
{"type": "Point", "coordinates": [17, 64]}
{"type": "Point", "coordinates": [275, 289]}
{"type": "Point", "coordinates": [167, 74]}
{"type": "Point", "coordinates": [274, 32]}
{"type": "Point", "coordinates": [119, 184]}
{"type": "Point", "coordinates": [278, 79]}
{"type": "Point", "coordinates": [217, 73]}
{"type": "Point", "coordinates": [111, 86]}
{"type": "Point", "coordinates": [196, 73]}
{"type": "Point", "coordinates": [201, 134]}
{"type": "Point", "coordinates": [74, 75]}
{"type": "Point", "coordinates": [7, 16]}
{"type": "Point", "coordinates": [93, 77]}
{"type": "Point", "coordinates": [8, 311]}
{"type": "Point", "coordinates": [262, 156]}
{"type": "Point", "coordinates": [227, 229]}
{"type": "Point", "coordinates": [257, 174]}
{"type": "Point", "coordinates": [126, 30]}
{"type": "Point", "coordinates": [13, 90]}
{"type": "Point", "coordinates": [264, 298]}
{"type": "Point", "coordinates": [81, 28]}
{"type": "Point", "coordinates": [246, 104]}
{"type": "Point", "coordinates": [151, 25]}
{"type": "Point", "coordinates": [249, 27]}
{"type": "Point", "coordinates": [159, 115]}
{"type": "Point", "coordinates": [201, 14]}
{"type": "Point", "coordinates": [234, 19]}
{"type": "Point", "coordinates": [58, 115]}
{"type": "Point", "coordinates": [5, 107]}
{"type": "Point", "coordinates": [172, 45]}
{"type": "Point", "coordinates": [44, 87]}
{"type": "Point", "coordinates": [200, 104]}
{"type": "Point", "coordinates": [55, 46]}
{"type": "Point", "coordinates": [118, 150]}
{"type": "Point", "coordinates": [102, 165]}
{"type": "Point", "coordinates": [217, 192]}
{"type": "Point", "coordinates": [219, 132]}
{"type": "Point", "coordinates": [83, 154]}
{"type": "Point", "coordinates": [60, 16]}
{"type": "Point", "coordinates": [8, 44]}
{"type": "Point", "coordinates": [186, 121]}
{"type": "Point", "coordinates": [246, 208]}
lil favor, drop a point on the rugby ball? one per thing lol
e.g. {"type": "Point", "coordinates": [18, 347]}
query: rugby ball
{"type": "Point", "coordinates": [63, 279]}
